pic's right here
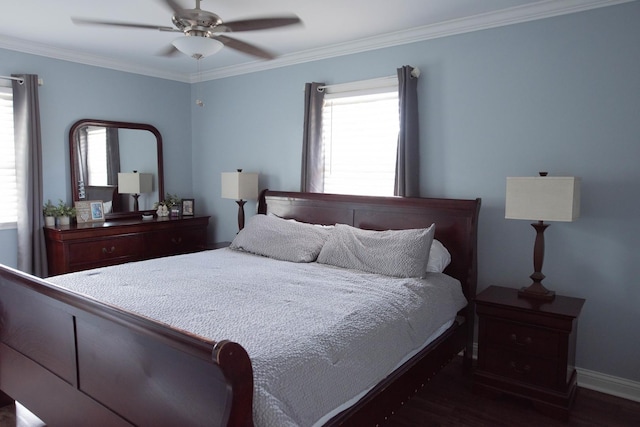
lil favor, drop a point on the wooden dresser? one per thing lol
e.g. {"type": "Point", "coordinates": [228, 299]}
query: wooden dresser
{"type": "Point", "coordinates": [83, 246]}
{"type": "Point", "coordinates": [527, 348]}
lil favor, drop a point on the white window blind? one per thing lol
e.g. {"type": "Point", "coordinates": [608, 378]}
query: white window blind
{"type": "Point", "coordinates": [360, 139]}
{"type": "Point", "coordinates": [97, 155]}
{"type": "Point", "coordinates": [8, 185]}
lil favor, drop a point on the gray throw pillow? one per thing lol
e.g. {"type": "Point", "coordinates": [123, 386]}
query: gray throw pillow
{"type": "Point", "coordinates": [398, 253]}
{"type": "Point", "coordinates": [277, 238]}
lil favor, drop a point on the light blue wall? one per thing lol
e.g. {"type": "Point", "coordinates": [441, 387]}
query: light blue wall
{"type": "Point", "coordinates": [560, 95]}
{"type": "Point", "coordinates": [138, 150]}
{"type": "Point", "coordinates": [73, 91]}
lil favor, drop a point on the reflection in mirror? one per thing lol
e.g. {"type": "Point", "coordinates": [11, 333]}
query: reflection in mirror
{"type": "Point", "coordinates": [101, 149]}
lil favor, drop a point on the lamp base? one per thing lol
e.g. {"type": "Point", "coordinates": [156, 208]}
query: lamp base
{"type": "Point", "coordinates": [240, 214]}
{"type": "Point", "coordinates": [135, 202]}
{"type": "Point", "coordinates": [536, 291]}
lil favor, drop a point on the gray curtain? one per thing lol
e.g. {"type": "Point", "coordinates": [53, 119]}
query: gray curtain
{"type": "Point", "coordinates": [312, 159]}
{"type": "Point", "coordinates": [32, 256]}
{"type": "Point", "coordinates": [81, 165]}
{"type": "Point", "coordinates": [407, 182]}
{"type": "Point", "coordinates": [113, 156]}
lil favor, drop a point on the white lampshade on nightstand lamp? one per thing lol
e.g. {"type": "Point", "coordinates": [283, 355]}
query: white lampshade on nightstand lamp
{"type": "Point", "coordinates": [135, 183]}
{"type": "Point", "coordinates": [542, 198]}
{"type": "Point", "coordinates": [240, 186]}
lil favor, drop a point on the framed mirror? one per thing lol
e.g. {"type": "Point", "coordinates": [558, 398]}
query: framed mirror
{"type": "Point", "coordinates": [100, 150]}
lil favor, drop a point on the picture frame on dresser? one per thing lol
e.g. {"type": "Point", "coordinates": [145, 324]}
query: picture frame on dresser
{"type": "Point", "coordinates": [188, 207]}
{"type": "Point", "coordinates": [175, 211]}
{"type": "Point", "coordinates": [89, 211]}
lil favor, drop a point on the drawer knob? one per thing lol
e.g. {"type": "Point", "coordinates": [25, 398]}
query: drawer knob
{"type": "Point", "coordinates": [524, 370]}
{"type": "Point", "coordinates": [516, 341]}
{"type": "Point", "coordinates": [176, 240]}
{"type": "Point", "coordinates": [108, 251]}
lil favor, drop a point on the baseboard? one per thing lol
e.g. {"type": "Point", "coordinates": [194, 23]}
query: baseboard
{"type": "Point", "coordinates": [603, 383]}
{"type": "Point", "coordinates": [609, 384]}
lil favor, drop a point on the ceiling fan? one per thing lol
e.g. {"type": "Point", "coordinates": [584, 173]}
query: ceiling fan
{"type": "Point", "coordinates": [204, 31]}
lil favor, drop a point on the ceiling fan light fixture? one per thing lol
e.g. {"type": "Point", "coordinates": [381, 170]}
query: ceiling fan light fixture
{"type": "Point", "coordinates": [196, 46]}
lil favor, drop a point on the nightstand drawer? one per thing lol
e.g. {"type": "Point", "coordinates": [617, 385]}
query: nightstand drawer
{"type": "Point", "coordinates": [515, 336]}
{"type": "Point", "coordinates": [120, 247]}
{"type": "Point", "coordinates": [520, 366]}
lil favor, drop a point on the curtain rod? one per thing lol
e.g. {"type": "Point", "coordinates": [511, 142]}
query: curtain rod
{"type": "Point", "coordinates": [21, 80]}
{"type": "Point", "coordinates": [415, 72]}
{"type": "Point", "coordinates": [18, 79]}
{"type": "Point", "coordinates": [381, 79]}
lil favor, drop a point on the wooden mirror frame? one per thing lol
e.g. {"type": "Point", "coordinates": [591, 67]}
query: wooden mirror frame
{"type": "Point", "coordinates": [114, 124]}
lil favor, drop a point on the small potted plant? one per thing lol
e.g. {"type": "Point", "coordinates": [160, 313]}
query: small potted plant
{"type": "Point", "coordinates": [65, 213]}
{"type": "Point", "coordinates": [50, 211]}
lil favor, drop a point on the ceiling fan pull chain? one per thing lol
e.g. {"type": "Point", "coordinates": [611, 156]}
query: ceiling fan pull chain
{"type": "Point", "coordinates": [199, 101]}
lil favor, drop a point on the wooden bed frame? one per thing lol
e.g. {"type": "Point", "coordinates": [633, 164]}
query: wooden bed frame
{"type": "Point", "coordinates": [74, 361]}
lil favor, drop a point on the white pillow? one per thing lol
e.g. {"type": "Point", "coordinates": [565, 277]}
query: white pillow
{"type": "Point", "coordinates": [277, 238]}
{"type": "Point", "coordinates": [398, 253]}
{"type": "Point", "coordinates": [439, 257]}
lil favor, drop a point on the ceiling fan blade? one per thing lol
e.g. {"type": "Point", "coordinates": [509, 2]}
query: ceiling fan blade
{"type": "Point", "coordinates": [83, 21]}
{"type": "Point", "coordinates": [244, 47]}
{"type": "Point", "coordinates": [177, 9]}
{"type": "Point", "coordinates": [261, 23]}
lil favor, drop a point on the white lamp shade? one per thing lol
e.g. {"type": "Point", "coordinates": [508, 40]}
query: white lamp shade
{"type": "Point", "coordinates": [135, 183]}
{"type": "Point", "coordinates": [239, 185]}
{"type": "Point", "coordinates": [543, 198]}
{"type": "Point", "coordinates": [196, 46]}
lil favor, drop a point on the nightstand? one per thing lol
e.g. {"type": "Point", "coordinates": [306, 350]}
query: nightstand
{"type": "Point", "coordinates": [527, 348]}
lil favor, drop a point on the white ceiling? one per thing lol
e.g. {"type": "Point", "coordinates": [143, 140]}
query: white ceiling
{"type": "Point", "coordinates": [330, 28]}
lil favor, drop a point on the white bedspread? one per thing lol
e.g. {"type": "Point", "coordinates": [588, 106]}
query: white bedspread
{"type": "Point", "coordinates": [348, 329]}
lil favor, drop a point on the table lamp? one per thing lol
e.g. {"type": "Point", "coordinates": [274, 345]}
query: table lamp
{"type": "Point", "coordinates": [542, 198]}
{"type": "Point", "coordinates": [135, 183]}
{"type": "Point", "coordinates": [240, 186]}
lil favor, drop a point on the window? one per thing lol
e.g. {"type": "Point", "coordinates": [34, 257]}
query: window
{"type": "Point", "coordinates": [360, 138]}
{"type": "Point", "coordinates": [8, 185]}
{"type": "Point", "coordinates": [97, 155]}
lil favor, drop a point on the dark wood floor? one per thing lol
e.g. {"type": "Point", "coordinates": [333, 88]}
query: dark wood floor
{"type": "Point", "coordinates": [448, 401]}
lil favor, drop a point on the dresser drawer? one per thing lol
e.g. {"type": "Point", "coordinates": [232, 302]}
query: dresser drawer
{"type": "Point", "coordinates": [79, 247]}
{"type": "Point", "coordinates": [175, 241]}
{"type": "Point", "coordinates": [520, 366]}
{"type": "Point", "coordinates": [515, 336]}
{"type": "Point", "coordinates": [106, 251]}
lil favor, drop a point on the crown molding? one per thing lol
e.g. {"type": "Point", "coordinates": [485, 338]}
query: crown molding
{"type": "Point", "coordinates": [510, 16]}
{"type": "Point", "coordinates": [39, 49]}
